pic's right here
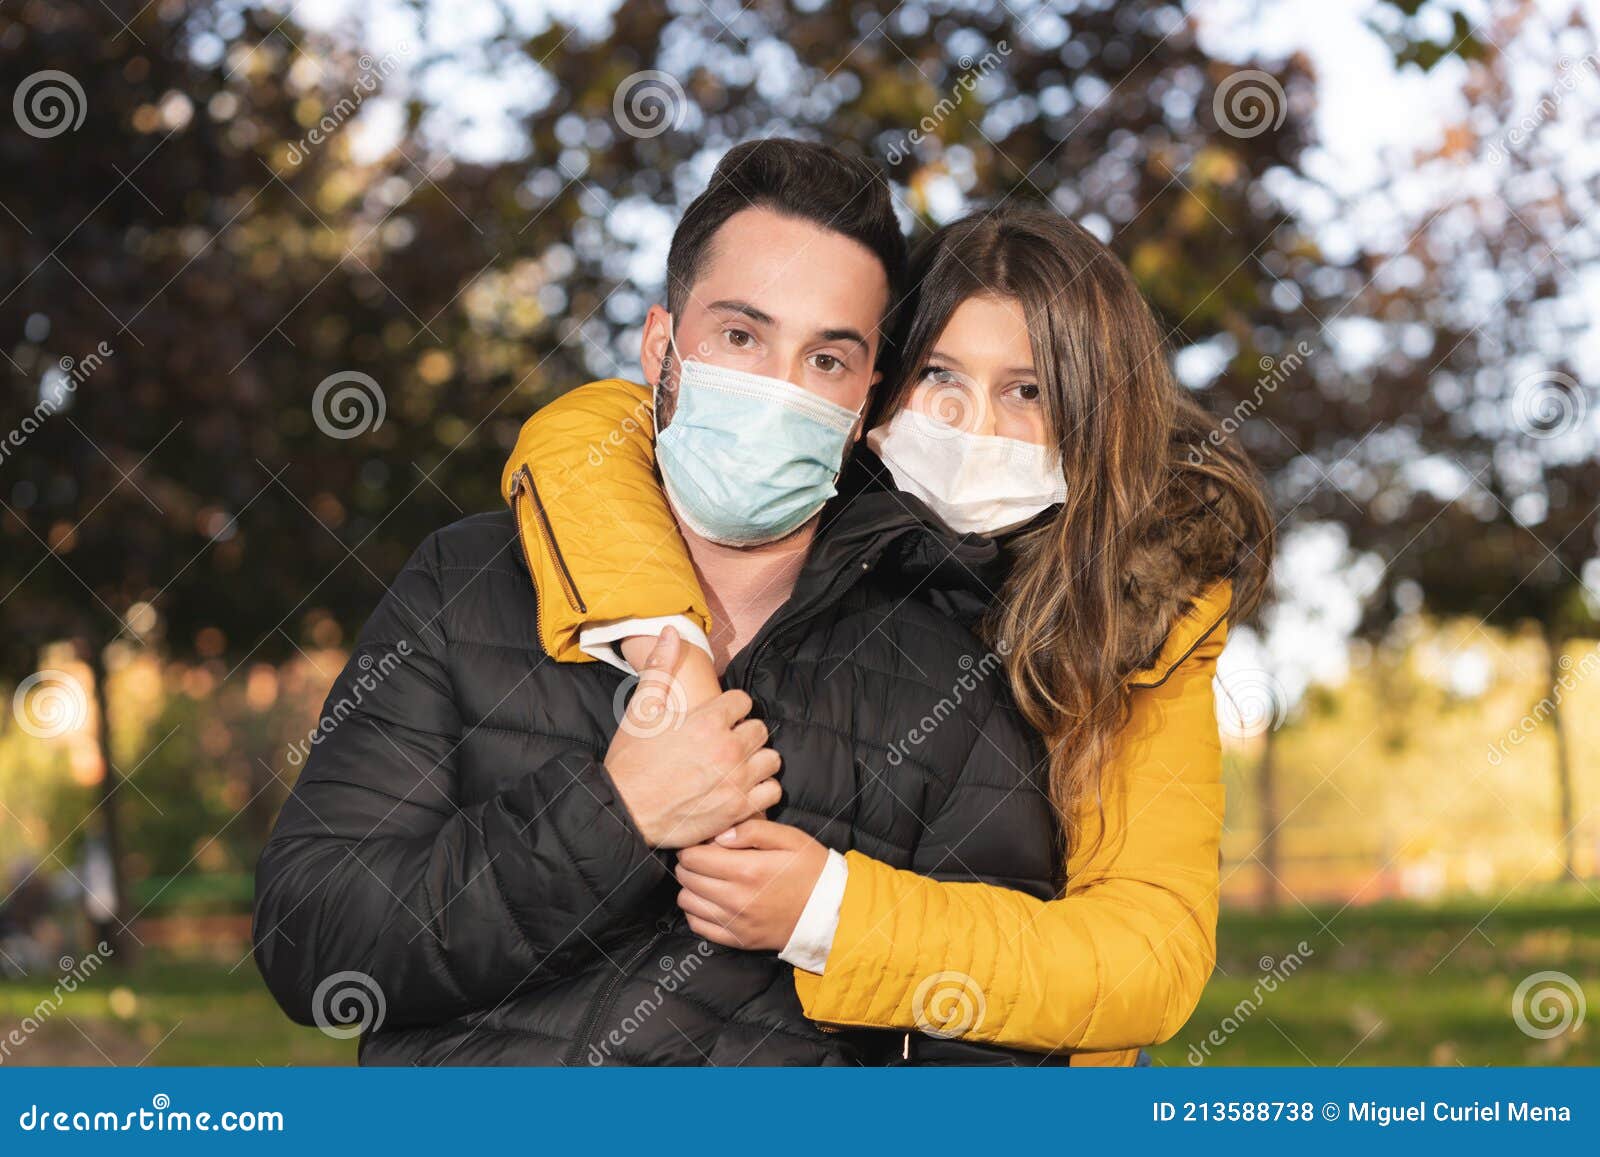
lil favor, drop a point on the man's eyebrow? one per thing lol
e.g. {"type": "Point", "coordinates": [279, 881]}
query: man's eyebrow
{"type": "Point", "coordinates": [845, 334]}
{"type": "Point", "coordinates": [743, 308]}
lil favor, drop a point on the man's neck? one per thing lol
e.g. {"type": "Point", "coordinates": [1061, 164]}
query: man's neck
{"type": "Point", "coordinates": [744, 586]}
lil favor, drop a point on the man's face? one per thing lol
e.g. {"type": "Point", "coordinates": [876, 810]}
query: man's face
{"type": "Point", "coordinates": [780, 297]}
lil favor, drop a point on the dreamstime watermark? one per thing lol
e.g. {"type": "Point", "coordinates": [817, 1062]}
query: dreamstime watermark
{"type": "Point", "coordinates": [160, 1117]}
{"type": "Point", "coordinates": [1249, 103]}
{"type": "Point", "coordinates": [347, 1004]}
{"type": "Point", "coordinates": [1568, 77]}
{"type": "Point", "coordinates": [73, 974]}
{"type": "Point", "coordinates": [946, 707]}
{"type": "Point", "coordinates": [373, 672]}
{"type": "Point", "coordinates": [650, 704]}
{"type": "Point", "coordinates": [1573, 672]}
{"type": "Point", "coordinates": [636, 421]}
{"type": "Point", "coordinates": [1548, 1004]}
{"type": "Point", "coordinates": [676, 974]}
{"type": "Point", "coordinates": [1548, 404]}
{"type": "Point", "coordinates": [50, 703]}
{"type": "Point", "coordinates": [369, 80]}
{"type": "Point", "coordinates": [1273, 974]}
{"type": "Point", "coordinates": [60, 383]}
{"type": "Point", "coordinates": [972, 73]}
{"type": "Point", "coordinates": [647, 104]}
{"type": "Point", "coordinates": [1274, 372]}
{"type": "Point", "coordinates": [1250, 703]}
{"type": "Point", "coordinates": [347, 404]}
{"type": "Point", "coordinates": [948, 1004]}
{"type": "Point", "coordinates": [49, 103]}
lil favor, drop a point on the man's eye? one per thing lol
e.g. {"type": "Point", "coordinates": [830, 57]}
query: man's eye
{"type": "Point", "coordinates": [827, 363]}
{"type": "Point", "coordinates": [738, 338]}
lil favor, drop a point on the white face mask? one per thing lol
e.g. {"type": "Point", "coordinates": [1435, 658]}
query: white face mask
{"type": "Point", "coordinates": [975, 483]}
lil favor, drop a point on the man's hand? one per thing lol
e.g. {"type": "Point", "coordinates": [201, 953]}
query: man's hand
{"type": "Point", "coordinates": [684, 774]}
{"type": "Point", "coordinates": [696, 676]}
{"type": "Point", "coordinates": [748, 888]}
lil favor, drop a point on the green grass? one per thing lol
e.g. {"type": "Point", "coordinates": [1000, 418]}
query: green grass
{"type": "Point", "coordinates": [1396, 984]}
{"type": "Point", "coordinates": [165, 1010]}
{"type": "Point", "coordinates": [1387, 984]}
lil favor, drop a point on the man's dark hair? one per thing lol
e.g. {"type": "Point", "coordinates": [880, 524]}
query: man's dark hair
{"type": "Point", "coordinates": [845, 194]}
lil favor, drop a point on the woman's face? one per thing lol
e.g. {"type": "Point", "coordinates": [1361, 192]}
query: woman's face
{"type": "Point", "coordinates": [980, 376]}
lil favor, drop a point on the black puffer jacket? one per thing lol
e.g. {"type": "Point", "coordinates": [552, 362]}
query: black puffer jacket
{"type": "Point", "coordinates": [455, 840]}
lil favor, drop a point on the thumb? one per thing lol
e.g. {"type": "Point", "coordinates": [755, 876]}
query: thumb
{"type": "Point", "coordinates": [757, 834]}
{"type": "Point", "coordinates": [664, 655]}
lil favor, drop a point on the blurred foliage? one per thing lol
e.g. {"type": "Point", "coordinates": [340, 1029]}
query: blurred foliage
{"type": "Point", "coordinates": [186, 506]}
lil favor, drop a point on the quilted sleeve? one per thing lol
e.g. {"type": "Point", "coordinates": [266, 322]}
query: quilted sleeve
{"type": "Point", "coordinates": [376, 866]}
{"type": "Point", "coordinates": [1116, 963]}
{"type": "Point", "coordinates": [596, 531]}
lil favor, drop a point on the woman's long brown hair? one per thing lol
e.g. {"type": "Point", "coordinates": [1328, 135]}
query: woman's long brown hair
{"type": "Point", "coordinates": [1158, 505]}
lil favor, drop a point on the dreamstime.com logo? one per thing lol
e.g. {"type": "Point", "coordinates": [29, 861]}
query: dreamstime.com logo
{"type": "Point", "coordinates": [972, 74]}
{"type": "Point", "coordinates": [948, 1004]}
{"type": "Point", "coordinates": [160, 1117]}
{"type": "Point", "coordinates": [48, 704]}
{"type": "Point", "coordinates": [347, 404]}
{"type": "Point", "coordinates": [991, 662]}
{"type": "Point", "coordinates": [1547, 1004]}
{"type": "Point", "coordinates": [348, 1004]}
{"type": "Point", "coordinates": [1548, 404]}
{"type": "Point", "coordinates": [1249, 103]}
{"type": "Point", "coordinates": [369, 80]}
{"type": "Point", "coordinates": [74, 973]}
{"type": "Point", "coordinates": [49, 103]}
{"type": "Point", "coordinates": [1274, 974]}
{"type": "Point", "coordinates": [649, 705]}
{"type": "Point", "coordinates": [647, 104]}
{"type": "Point", "coordinates": [56, 391]}
{"type": "Point", "coordinates": [374, 670]}
{"type": "Point", "coordinates": [1250, 703]}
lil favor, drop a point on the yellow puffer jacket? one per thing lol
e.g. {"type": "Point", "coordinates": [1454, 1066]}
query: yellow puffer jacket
{"type": "Point", "coordinates": [1116, 963]}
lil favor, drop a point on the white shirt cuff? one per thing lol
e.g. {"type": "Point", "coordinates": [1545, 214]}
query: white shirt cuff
{"type": "Point", "coordinates": [600, 640]}
{"type": "Point", "coordinates": [812, 938]}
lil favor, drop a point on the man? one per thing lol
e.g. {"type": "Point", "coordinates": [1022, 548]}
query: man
{"type": "Point", "coordinates": [486, 857]}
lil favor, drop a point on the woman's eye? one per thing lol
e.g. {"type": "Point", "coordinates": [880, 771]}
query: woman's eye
{"type": "Point", "coordinates": [937, 375]}
{"type": "Point", "coordinates": [1027, 391]}
{"type": "Point", "coordinates": [827, 363]}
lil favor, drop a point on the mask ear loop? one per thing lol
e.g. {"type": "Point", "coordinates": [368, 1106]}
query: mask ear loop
{"type": "Point", "coordinates": [677, 358]}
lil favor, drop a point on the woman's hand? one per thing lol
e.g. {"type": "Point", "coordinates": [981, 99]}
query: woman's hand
{"type": "Point", "coordinates": [747, 888]}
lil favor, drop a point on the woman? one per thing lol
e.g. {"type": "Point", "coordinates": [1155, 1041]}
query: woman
{"type": "Point", "coordinates": [1031, 402]}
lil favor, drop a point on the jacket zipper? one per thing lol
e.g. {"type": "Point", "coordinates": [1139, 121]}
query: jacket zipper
{"type": "Point", "coordinates": [606, 999]}
{"type": "Point", "coordinates": [522, 483]}
{"type": "Point", "coordinates": [764, 639]}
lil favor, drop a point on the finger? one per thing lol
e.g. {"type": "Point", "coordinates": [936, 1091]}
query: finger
{"type": "Point", "coordinates": [758, 833]}
{"type": "Point", "coordinates": [716, 933]}
{"type": "Point", "coordinates": [664, 655]}
{"type": "Point", "coordinates": [706, 861]}
{"type": "Point", "coordinates": [751, 736]}
{"type": "Point", "coordinates": [694, 904]}
{"type": "Point", "coordinates": [731, 706]}
{"type": "Point", "coordinates": [760, 765]}
{"type": "Point", "coordinates": [765, 794]}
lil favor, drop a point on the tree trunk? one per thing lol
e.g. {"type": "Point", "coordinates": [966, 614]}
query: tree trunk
{"type": "Point", "coordinates": [109, 930]}
{"type": "Point", "coordinates": [1267, 854]}
{"type": "Point", "coordinates": [1555, 646]}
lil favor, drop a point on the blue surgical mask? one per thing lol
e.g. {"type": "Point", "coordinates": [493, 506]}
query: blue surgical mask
{"type": "Point", "coordinates": [749, 459]}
